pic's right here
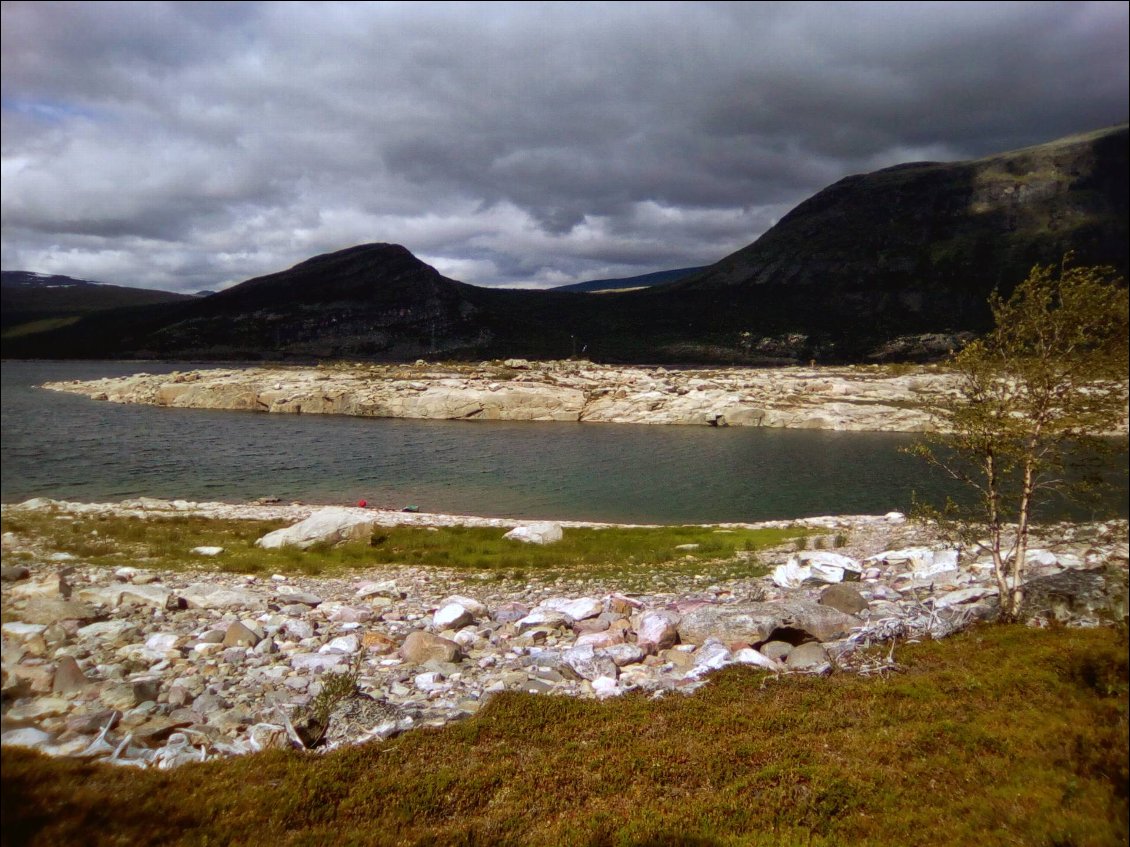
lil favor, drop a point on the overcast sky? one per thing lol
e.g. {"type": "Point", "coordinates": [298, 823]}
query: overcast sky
{"type": "Point", "coordinates": [195, 145]}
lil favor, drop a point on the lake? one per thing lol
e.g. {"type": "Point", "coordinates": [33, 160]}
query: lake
{"type": "Point", "coordinates": [68, 447]}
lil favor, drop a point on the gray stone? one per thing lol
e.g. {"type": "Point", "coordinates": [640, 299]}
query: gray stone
{"type": "Point", "coordinates": [204, 595]}
{"type": "Point", "coordinates": [304, 598]}
{"type": "Point", "coordinates": [27, 736]}
{"type": "Point", "coordinates": [146, 595]}
{"type": "Point", "coordinates": [13, 573]}
{"type": "Point", "coordinates": [452, 616]}
{"type": "Point", "coordinates": [544, 619]}
{"type": "Point", "coordinates": [843, 598]}
{"type": "Point", "coordinates": [658, 630]}
{"type": "Point", "coordinates": [317, 662]}
{"type": "Point", "coordinates": [345, 644]}
{"type": "Point", "coordinates": [808, 657]}
{"type": "Point", "coordinates": [624, 654]}
{"type": "Point", "coordinates": [755, 623]}
{"type": "Point", "coordinates": [209, 704]}
{"type": "Point", "coordinates": [537, 533]}
{"type": "Point", "coordinates": [587, 663]}
{"type": "Point", "coordinates": [579, 609]}
{"type": "Point", "coordinates": [69, 678]}
{"type": "Point", "coordinates": [420, 647]}
{"type": "Point", "coordinates": [146, 688]}
{"type": "Point", "coordinates": [776, 649]}
{"type": "Point", "coordinates": [238, 635]}
{"type": "Point", "coordinates": [326, 526]}
{"type": "Point", "coordinates": [119, 695]}
{"type": "Point", "coordinates": [510, 612]}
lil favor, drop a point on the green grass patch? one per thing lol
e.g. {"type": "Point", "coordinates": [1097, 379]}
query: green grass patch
{"type": "Point", "coordinates": [1000, 736]}
{"type": "Point", "coordinates": [42, 325]}
{"type": "Point", "coordinates": [646, 554]}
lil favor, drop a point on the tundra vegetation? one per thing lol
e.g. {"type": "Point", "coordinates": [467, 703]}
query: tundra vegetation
{"type": "Point", "coordinates": [1036, 393]}
{"type": "Point", "coordinates": [1002, 735]}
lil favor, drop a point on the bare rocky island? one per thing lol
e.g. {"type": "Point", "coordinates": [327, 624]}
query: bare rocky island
{"type": "Point", "coordinates": [859, 398]}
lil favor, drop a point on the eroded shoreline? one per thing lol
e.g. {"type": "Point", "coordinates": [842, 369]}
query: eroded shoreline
{"type": "Point", "coordinates": [150, 667]}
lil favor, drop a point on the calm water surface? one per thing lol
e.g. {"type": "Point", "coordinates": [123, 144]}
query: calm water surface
{"type": "Point", "coordinates": [68, 447]}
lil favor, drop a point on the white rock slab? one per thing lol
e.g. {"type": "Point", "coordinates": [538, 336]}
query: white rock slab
{"type": "Point", "coordinates": [537, 533]}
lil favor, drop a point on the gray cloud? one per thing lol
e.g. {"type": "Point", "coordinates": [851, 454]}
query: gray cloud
{"type": "Point", "coordinates": [194, 145]}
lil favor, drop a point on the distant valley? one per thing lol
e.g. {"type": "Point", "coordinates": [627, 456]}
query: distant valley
{"type": "Point", "coordinates": [893, 265]}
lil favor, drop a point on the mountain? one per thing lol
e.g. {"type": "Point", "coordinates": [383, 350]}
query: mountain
{"type": "Point", "coordinates": [919, 247]}
{"type": "Point", "coordinates": [594, 286]}
{"type": "Point", "coordinates": [35, 302]}
{"type": "Point", "coordinates": [895, 264]}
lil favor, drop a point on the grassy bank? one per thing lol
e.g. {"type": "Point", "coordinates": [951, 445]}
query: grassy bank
{"type": "Point", "coordinates": [166, 542]}
{"type": "Point", "coordinates": [1002, 735]}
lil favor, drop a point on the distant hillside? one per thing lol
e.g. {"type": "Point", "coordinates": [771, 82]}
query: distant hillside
{"type": "Point", "coordinates": [34, 302]}
{"type": "Point", "coordinates": [896, 264]}
{"type": "Point", "coordinates": [628, 282]}
{"type": "Point", "coordinates": [919, 247]}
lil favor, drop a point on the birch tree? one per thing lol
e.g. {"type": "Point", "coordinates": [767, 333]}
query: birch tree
{"type": "Point", "coordinates": [1043, 386]}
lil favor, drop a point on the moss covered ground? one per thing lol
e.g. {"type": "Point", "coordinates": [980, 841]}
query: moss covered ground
{"type": "Point", "coordinates": [1000, 736]}
{"type": "Point", "coordinates": [166, 542]}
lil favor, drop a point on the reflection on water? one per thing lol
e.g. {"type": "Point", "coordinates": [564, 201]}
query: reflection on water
{"type": "Point", "coordinates": [68, 447]}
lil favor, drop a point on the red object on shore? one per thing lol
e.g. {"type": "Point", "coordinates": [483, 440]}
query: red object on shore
{"type": "Point", "coordinates": [362, 503]}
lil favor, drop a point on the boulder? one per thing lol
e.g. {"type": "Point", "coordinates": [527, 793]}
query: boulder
{"type": "Point", "coordinates": [239, 635]}
{"type": "Point", "coordinates": [923, 562]}
{"type": "Point", "coordinates": [452, 616]}
{"type": "Point", "coordinates": [808, 657]}
{"type": "Point", "coordinates": [478, 610]}
{"type": "Point", "coordinates": [510, 612]}
{"type": "Point", "coordinates": [145, 595]}
{"type": "Point", "coordinates": [587, 663]}
{"type": "Point", "coordinates": [624, 654]}
{"type": "Point", "coordinates": [13, 573]}
{"type": "Point", "coordinates": [756, 623]}
{"type": "Point", "coordinates": [844, 598]}
{"type": "Point", "coordinates": [578, 610]}
{"type": "Point", "coordinates": [546, 618]}
{"type": "Point", "coordinates": [326, 526]}
{"type": "Point", "coordinates": [420, 647]}
{"type": "Point", "coordinates": [48, 610]}
{"type": "Point", "coordinates": [69, 678]}
{"type": "Point", "coordinates": [347, 644]}
{"type": "Point", "coordinates": [776, 650]}
{"type": "Point", "coordinates": [657, 630]}
{"type": "Point", "coordinates": [817, 566]}
{"type": "Point", "coordinates": [597, 640]}
{"type": "Point", "coordinates": [749, 656]}
{"type": "Point", "coordinates": [537, 533]}
{"type": "Point", "coordinates": [205, 595]}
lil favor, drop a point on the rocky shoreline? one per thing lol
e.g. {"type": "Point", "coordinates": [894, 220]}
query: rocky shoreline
{"type": "Point", "coordinates": [156, 668]}
{"type": "Point", "coordinates": [856, 398]}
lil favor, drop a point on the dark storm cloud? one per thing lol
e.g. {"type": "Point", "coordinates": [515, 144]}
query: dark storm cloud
{"type": "Point", "coordinates": [192, 145]}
